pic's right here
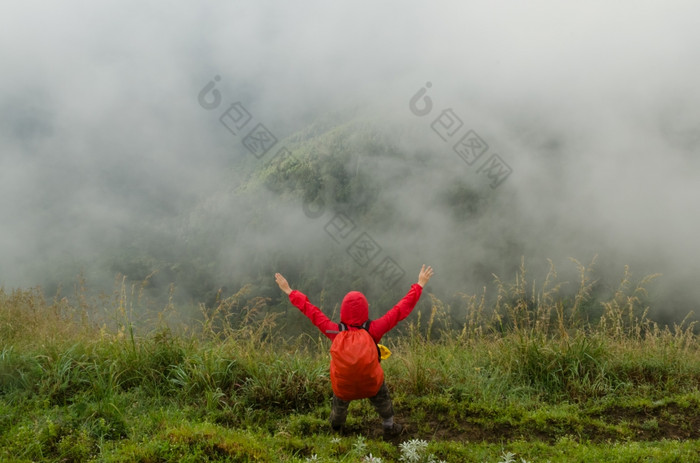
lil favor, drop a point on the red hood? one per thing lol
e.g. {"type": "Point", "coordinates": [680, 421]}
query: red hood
{"type": "Point", "coordinates": [354, 310]}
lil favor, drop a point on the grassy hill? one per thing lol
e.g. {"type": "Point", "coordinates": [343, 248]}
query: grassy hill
{"type": "Point", "coordinates": [527, 379]}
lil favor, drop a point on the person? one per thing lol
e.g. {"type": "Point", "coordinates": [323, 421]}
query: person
{"type": "Point", "coordinates": [354, 312]}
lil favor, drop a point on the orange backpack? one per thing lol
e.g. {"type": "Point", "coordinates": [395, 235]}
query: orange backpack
{"type": "Point", "coordinates": [355, 369]}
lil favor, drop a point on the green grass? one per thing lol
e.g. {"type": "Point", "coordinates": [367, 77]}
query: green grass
{"type": "Point", "coordinates": [531, 380]}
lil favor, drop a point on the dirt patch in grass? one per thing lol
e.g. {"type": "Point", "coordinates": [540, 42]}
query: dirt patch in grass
{"type": "Point", "coordinates": [616, 423]}
{"type": "Point", "coordinates": [654, 422]}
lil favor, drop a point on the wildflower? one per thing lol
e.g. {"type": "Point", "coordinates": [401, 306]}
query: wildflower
{"type": "Point", "coordinates": [412, 450]}
{"type": "Point", "coordinates": [370, 459]}
{"type": "Point", "coordinates": [360, 446]}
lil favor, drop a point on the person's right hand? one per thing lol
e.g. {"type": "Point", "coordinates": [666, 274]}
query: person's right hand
{"type": "Point", "coordinates": [424, 275]}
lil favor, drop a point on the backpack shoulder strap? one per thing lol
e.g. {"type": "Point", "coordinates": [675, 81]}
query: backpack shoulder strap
{"type": "Point", "coordinates": [341, 327]}
{"type": "Point", "coordinates": [365, 326]}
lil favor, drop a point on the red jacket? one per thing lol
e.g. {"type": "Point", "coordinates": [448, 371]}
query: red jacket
{"type": "Point", "coordinates": [354, 311]}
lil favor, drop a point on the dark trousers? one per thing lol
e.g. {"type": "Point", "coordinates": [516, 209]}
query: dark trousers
{"type": "Point", "coordinates": [381, 402]}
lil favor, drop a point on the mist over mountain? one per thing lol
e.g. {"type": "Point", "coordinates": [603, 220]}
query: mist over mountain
{"type": "Point", "coordinates": [211, 145]}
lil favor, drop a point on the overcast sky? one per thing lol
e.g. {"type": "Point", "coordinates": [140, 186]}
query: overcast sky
{"type": "Point", "coordinates": [594, 106]}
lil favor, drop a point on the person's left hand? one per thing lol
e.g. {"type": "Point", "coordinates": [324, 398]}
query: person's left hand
{"type": "Point", "coordinates": [282, 282]}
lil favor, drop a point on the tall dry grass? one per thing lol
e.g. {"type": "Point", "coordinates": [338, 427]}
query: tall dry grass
{"type": "Point", "coordinates": [530, 339]}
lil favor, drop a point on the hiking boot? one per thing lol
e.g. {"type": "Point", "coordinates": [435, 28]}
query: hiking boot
{"type": "Point", "coordinates": [337, 428]}
{"type": "Point", "coordinates": [392, 431]}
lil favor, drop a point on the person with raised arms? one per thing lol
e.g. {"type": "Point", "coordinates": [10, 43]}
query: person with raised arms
{"type": "Point", "coordinates": [355, 368]}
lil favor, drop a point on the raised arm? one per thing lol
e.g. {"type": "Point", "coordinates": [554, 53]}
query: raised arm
{"type": "Point", "coordinates": [313, 313]}
{"type": "Point", "coordinates": [380, 326]}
